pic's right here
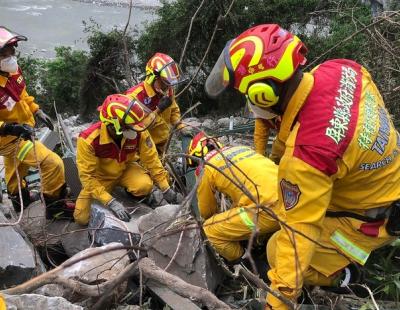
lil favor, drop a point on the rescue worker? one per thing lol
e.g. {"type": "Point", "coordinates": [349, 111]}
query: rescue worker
{"type": "Point", "coordinates": [340, 165]}
{"type": "Point", "coordinates": [162, 75]}
{"type": "Point", "coordinates": [17, 119]}
{"type": "Point", "coordinates": [118, 150]}
{"type": "Point", "coordinates": [254, 172]}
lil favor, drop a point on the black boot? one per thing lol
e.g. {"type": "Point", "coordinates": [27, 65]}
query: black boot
{"type": "Point", "coordinates": [60, 207]}
{"type": "Point", "coordinates": [15, 199]}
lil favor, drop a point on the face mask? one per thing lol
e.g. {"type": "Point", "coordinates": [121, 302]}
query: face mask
{"type": "Point", "coordinates": [129, 134]}
{"type": "Point", "coordinates": [9, 64]}
{"type": "Point", "coordinates": [260, 112]}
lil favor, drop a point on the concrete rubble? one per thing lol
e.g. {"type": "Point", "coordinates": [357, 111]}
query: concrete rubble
{"type": "Point", "coordinates": [191, 262]}
{"type": "Point", "coordinates": [18, 260]}
{"type": "Point", "coordinates": [35, 302]}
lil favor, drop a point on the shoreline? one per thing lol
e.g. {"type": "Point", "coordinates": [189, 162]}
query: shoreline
{"type": "Point", "coordinates": [124, 3]}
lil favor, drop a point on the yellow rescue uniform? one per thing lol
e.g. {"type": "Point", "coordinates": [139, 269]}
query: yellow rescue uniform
{"type": "Point", "coordinates": [102, 165]}
{"type": "Point", "coordinates": [162, 126]}
{"type": "Point", "coordinates": [258, 176]}
{"type": "Point", "coordinates": [341, 155]}
{"type": "Point", "coordinates": [16, 106]}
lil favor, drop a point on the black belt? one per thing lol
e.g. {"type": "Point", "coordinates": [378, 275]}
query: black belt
{"type": "Point", "coordinates": [356, 216]}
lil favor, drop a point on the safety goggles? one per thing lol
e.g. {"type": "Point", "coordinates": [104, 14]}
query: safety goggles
{"type": "Point", "coordinates": [128, 123]}
{"type": "Point", "coordinates": [170, 74]}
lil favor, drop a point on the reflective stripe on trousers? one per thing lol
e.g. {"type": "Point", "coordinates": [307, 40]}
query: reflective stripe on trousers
{"type": "Point", "coordinates": [246, 218]}
{"type": "Point", "coordinates": [350, 248]}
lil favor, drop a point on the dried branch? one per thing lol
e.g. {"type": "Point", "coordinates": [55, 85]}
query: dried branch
{"type": "Point", "coordinates": [176, 284]}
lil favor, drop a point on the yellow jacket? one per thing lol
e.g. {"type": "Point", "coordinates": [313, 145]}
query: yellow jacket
{"type": "Point", "coordinates": [99, 158]}
{"type": "Point", "coordinates": [258, 175]}
{"type": "Point", "coordinates": [15, 103]}
{"type": "Point", "coordinates": [160, 129]}
{"type": "Point", "coordinates": [342, 155]}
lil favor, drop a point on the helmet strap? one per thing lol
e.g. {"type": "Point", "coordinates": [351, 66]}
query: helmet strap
{"type": "Point", "coordinates": [287, 91]}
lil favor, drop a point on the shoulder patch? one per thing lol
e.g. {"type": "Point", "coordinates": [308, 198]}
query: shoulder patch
{"type": "Point", "coordinates": [290, 194]}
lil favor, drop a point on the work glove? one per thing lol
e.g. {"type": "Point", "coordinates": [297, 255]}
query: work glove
{"type": "Point", "coordinates": [119, 210]}
{"type": "Point", "coordinates": [45, 119]}
{"type": "Point", "coordinates": [164, 103]}
{"type": "Point", "coordinates": [19, 130]}
{"type": "Point", "coordinates": [172, 197]}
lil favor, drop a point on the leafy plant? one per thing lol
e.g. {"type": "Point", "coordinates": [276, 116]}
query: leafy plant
{"type": "Point", "coordinates": [383, 272]}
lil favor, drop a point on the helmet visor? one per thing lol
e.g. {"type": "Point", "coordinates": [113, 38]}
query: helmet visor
{"type": "Point", "coordinates": [138, 117]}
{"type": "Point", "coordinates": [8, 37]}
{"type": "Point", "coordinates": [221, 76]}
{"type": "Point", "coordinates": [171, 74]}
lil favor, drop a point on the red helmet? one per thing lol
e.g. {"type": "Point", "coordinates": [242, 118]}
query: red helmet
{"type": "Point", "coordinates": [200, 146]}
{"type": "Point", "coordinates": [260, 53]}
{"type": "Point", "coordinates": [164, 67]}
{"type": "Point", "coordinates": [124, 113]}
{"type": "Point", "coordinates": [8, 37]}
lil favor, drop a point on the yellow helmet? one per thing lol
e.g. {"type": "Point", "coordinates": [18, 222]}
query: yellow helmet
{"type": "Point", "coordinates": [200, 146]}
{"type": "Point", "coordinates": [164, 67]}
{"type": "Point", "coordinates": [124, 113]}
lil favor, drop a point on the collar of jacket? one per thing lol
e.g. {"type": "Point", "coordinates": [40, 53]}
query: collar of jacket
{"type": "Point", "coordinates": [105, 137]}
{"type": "Point", "coordinates": [149, 89]}
{"type": "Point", "coordinates": [295, 104]}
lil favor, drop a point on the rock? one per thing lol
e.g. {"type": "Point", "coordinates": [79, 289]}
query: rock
{"type": "Point", "coordinates": [18, 260]}
{"type": "Point", "coordinates": [75, 241]}
{"type": "Point", "coordinates": [34, 221]}
{"type": "Point", "coordinates": [223, 122]}
{"type": "Point", "coordinates": [113, 229]}
{"type": "Point", "coordinates": [192, 262]}
{"type": "Point", "coordinates": [193, 122]}
{"type": "Point", "coordinates": [99, 268]}
{"type": "Point", "coordinates": [51, 290]}
{"type": "Point", "coordinates": [209, 124]}
{"type": "Point", "coordinates": [34, 302]}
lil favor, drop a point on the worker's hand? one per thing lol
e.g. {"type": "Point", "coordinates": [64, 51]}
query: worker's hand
{"type": "Point", "coordinates": [172, 197]}
{"type": "Point", "coordinates": [118, 209]}
{"type": "Point", "coordinates": [19, 130]}
{"type": "Point", "coordinates": [45, 119]}
{"type": "Point", "coordinates": [165, 103]}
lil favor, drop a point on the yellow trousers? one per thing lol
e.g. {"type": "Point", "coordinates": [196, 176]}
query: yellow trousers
{"type": "Point", "coordinates": [328, 259]}
{"type": "Point", "coordinates": [226, 230]}
{"type": "Point", "coordinates": [51, 166]}
{"type": "Point", "coordinates": [135, 179]}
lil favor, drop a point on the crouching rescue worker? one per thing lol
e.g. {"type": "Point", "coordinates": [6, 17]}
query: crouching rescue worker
{"type": "Point", "coordinates": [17, 119]}
{"type": "Point", "coordinates": [162, 75]}
{"type": "Point", "coordinates": [256, 173]}
{"type": "Point", "coordinates": [118, 150]}
{"type": "Point", "coordinates": [339, 175]}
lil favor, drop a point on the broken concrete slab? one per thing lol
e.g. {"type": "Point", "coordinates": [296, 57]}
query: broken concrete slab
{"type": "Point", "coordinates": [34, 302]}
{"type": "Point", "coordinates": [191, 261]}
{"type": "Point", "coordinates": [172, 299]}
{"type": "Point", "coordinates": [75, 238]}
{"type": "Point", "coordinates": [99, 268]}
{"type": "Point", "coordinates": [18, 260]}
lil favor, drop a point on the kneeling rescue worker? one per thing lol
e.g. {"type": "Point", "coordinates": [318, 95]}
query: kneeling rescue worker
{"type": "Point", "coordinates": [339, 175]}
{"type": "Point", "coordinates": [256, 173]}
{"type": "Point", "coordinates": [17, 119]}
{"type": "Point", "coordinates": [118, 150]}
{"type": "Point", "coordinates": [162, 75]}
